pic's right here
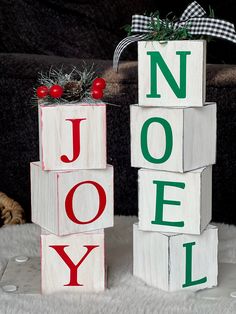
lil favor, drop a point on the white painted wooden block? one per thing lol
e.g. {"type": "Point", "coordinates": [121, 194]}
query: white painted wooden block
{"type": "Point", "coordinates": [172, 73]}
{"type": "Point", "coordinates": [72, 136]}
{"type": "Point", "coordinates": [65, 202]}
{"type": "Point", "coordinates": [175, 202]}
{"type": "Point", "coordinates": [174, 262]}
{"type": "Point", "coordinates": [173, 139]}
{"type": "Point", "coordinates": [72, 263]}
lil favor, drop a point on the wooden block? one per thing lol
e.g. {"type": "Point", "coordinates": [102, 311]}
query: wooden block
{"type": "Point", "coordinates": [172, 73]}
{"type": "Point", "coordinates": [173, 139]}
{"type": "Point", "coordinates": [175, 202]}
{"type": "Point", "coordinates": [72, 136]}
{"type": "Point", "coordinates": [65, 202]}
{"type": "Point", "coordinates": [72, 263]}
{"type": "Point", "coordinates": [174, 262]}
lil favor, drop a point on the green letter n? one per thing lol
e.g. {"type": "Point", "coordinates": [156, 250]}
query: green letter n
{"type": "Point", "coordinates": [156, 58]}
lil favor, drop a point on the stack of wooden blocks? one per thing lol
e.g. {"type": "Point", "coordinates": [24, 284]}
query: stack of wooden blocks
{"type": "Point", "coordinates": [173, 141]}
{"type": "Point", "coordinates": [72, 196]}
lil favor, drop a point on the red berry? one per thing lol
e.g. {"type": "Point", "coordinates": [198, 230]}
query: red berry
{"type": "Point", "coordinates": [42, 91]}
{"type": "Point", "coordinates": [99, 82]}
{"type": "Point", "coordinates": [56, 91]}
{"type": "Point", "coordinates": [97, 93]}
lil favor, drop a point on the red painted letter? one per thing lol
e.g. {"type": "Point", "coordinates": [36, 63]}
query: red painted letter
{"type": "Point", "coordinates": [73, 268]}
{"type": "Point", "coordinates": [69, 202]}
{"type": "Point", "coordinates": [75, 140]}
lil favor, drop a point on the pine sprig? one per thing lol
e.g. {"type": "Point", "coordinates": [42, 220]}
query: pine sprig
{"type": "Point", "coordinates": [127, 29]}
{"type": "Point", "coordinates": [76, 84]}
{"type": "Point", "coordinates": [211, 12]}
{"type": "Point", "coordinates": [164, 29]}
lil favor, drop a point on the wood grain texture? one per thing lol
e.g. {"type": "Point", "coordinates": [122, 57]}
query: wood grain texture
{"type": "Point", "coordinates": [200, 129]}
{"type": "Point", "coordinates": [55, 273]}
{"type": "Point", "coordinates": [160, 258]}
{"type": "Point", "coordinates": [195, 199]}
{"type": "Point", "coordinates": [56, 140]}
{"type": "Point", "coordinates": [49, 190]}
{"type": "Point", "coordinates": [193, 132]}
{"type": "Point", "coordinates": [195, 73]}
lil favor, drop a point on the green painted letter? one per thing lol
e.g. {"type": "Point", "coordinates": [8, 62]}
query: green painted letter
{"type": "Point", "coordinates": [160, 202]}
{"type": "Point", "coordinates": [156, 58]}
{"type": "Point", "coordinates": [188, 268]}
{"type": "Point", "coordinates": [144, 140]}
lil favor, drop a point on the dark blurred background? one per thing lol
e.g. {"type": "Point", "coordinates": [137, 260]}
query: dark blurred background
{"type": "Point", "coordinates": [91, 28]}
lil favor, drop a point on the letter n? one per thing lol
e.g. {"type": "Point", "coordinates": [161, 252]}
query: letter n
{"type": "Point", "coordinates": [156, 59]}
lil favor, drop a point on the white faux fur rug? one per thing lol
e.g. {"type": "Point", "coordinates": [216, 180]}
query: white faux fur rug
{"type": "Point", "coordinates": [125, 293]}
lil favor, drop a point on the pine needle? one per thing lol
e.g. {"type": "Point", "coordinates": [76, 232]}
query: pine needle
{"type": "Point", "coordinates": [82, 79]}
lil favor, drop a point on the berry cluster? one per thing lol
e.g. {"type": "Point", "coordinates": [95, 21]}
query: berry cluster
{"type": "Point", "coordinates": [97, 88]}
{"type": "Point", "coordinates": [56, 91]}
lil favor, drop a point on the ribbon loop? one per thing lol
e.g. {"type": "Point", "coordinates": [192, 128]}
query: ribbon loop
{"type": "Point", "coordinates": [140, 24]}
{"type": "Point", "coordinates": [193, 10]}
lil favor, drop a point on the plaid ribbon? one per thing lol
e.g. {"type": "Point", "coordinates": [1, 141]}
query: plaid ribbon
{"type": "Point", "coordinates": [192, 18]}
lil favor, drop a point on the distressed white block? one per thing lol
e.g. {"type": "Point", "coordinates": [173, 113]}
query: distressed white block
{"type": "Point", "coordinates": [193, 192]}
{"type": "Point", "coordinates": [173, 139]}
{"type": "Point", "coordinates": [65, 202]}
{"type": "Point", "coordinates": [58, 276]}
{"type": "Point", "coordinates": [184, 61]}
{"type": "Point", "coordinates": [164, 260]}
{"type": "Point", "coordinates": [72, 136]}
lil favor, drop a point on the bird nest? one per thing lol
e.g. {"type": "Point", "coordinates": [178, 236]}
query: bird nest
{"type": "Point", "coordinates": [11, 213]}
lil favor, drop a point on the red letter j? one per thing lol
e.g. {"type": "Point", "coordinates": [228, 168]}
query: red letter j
{"type": "Point", "coordinates": [75, 140]}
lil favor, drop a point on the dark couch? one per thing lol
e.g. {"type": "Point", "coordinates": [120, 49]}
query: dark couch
{"type": "Point", "coordinates": [49, 39]}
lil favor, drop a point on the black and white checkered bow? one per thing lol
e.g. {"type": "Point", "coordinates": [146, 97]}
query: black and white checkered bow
{"type": "Point", "coordinates": [192, 18]}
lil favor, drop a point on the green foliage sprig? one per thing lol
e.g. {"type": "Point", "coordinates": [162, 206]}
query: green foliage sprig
{"type": "Point", "coordinates": [164, 29]}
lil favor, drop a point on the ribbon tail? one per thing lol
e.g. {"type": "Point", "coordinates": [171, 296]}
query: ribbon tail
{"type": "Point", "coordinates": [212, 27]}
{"type": "Point", "coordinates": [122, 45]}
